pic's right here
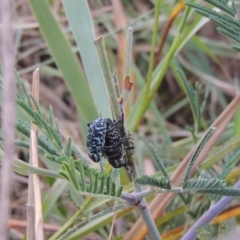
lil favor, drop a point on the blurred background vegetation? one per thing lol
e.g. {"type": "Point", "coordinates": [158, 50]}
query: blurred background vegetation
{"type": "Point", "coordinates": [57, 36]}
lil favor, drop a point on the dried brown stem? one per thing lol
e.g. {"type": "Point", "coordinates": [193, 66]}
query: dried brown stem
{"type": "Point", "coordinates": [34, 156]}
{"type": "Point", "coordinates": [120, 22]}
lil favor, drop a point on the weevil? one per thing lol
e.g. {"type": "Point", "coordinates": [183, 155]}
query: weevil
{"type": "Point", "coordinates": [105, 139]}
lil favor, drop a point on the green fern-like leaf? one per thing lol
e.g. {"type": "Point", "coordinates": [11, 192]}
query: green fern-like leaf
{"type": "Point", "coordinates": [59, 135]}
{"type": "Point", "coordinates": [68, 149]}
{"type": "Point", "coordinates": [51, 117]}
{"type": "Point", "coordinates": [55, 137]}
{"type": "Point", "coordinates": [78, 154]}
{"type": "Point", "coordinates": [232, 159]}
{"type": "Point", "coordinates": [236, 48]}
{"type": "Point", "coordinates": [27, 146]}
{"type": "Point", "coordinates": [109, 185]}
{"type": "Point", "coordinates": [63, 174]}
{"type": "Point", "coordinates": [197, 152]}
{"type": "Point", "coordinates": [193, 96]}
{"type": "Point", "coordinates": [159, 163]}
{"type": "Point", "coordinates": [92, 177]}
{"type": "Point", "coordinates": [56, 159]}
{"type": "Point", "coordinates": [102, 183]}
{"type": "Point", "coordinates": [88, 180]}
{"type": "Point", "coordinates": [71, 199]}
{"type": "Point", "coordinates": [68, 174]}
{"type": "Point", "coordinates": [226, 191]}
{"type": "Point", "coordinates": [226, 6]}
{"type": "Point", "coordinates": [113, 190]}
{"type": "Point", "coordinates": [227, 24]}
{"type": "Point", "coordinates": [35, 104]}
{"type": "Point", "coordinates": [96, 182]}
{"type": "Point", "coordinates": [119, 191]}
{"type": "Point", "coordinates": [42, 124]}
{"type": "Point", "coordinates": [79, 167]}
{"type": "Point", "coordinates": [210, 187]}
{"type": "Point", "coordinates": [25, 96]}
{"type": "Point", "coordinates": [155, 182]}
{"type": "Point", "coordinates": [201, 183]}
{"type": "Point", "coordinates": [24, 128]}
{"type": "Point", "coordinates": [28, 110]}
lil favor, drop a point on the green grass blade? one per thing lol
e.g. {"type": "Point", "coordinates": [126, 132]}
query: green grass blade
{"type": "Point", "coordinates": [236, 129]}
{"type": "Point", "coordinates": [65, 59]}
{"type": "Point", "coordinates": [80, 20]}
{"type": "Point", "coordinates": [52, 196]}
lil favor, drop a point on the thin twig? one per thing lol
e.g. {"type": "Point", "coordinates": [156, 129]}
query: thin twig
{"type": "Point", "coordinates": [112, 225]}
{"type": "Point", "coordinates": [208, 216]}
{"type": "Point", "coordinates": [8, 109]}
{"type": "Point", "coordinates": [30, 209]}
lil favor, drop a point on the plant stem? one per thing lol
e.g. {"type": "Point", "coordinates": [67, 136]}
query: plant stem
{"type": "Point", "coordinates": [208, 216]}
{"type": "Point", "coordinates": [145, 212]}
{"type": "Point", "coordinates": [102, 55]}
{"type": "Point", "coordinates": [153, 45]}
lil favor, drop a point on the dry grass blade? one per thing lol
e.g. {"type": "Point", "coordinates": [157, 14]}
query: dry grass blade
{"type": "Point", "coordinates": [30, 209]}
{"type": "Point", "coordinates": [22, 224]}
{"type": "Point", "coordinates": [34, 161]}
{"type": "Point", "coordinates": [180, 6]}
{"type": "Point", "coordinates": [8, 110]}
{"type": "Point", "coordinates": [159, 204]}
{"type": "Point", "coordinates": [112, 225]}
{"type": "Point", "coordinates": [120, 22]}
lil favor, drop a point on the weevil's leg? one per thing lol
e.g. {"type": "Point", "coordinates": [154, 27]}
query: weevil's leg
{"type": "Point", "coordinates": [122, 128]}
{"type": "Point", "coordinates": [129, 147]}
{"type": "Point", "coordinates": [131, 142]}
{"type": "Point", "coordinates": [108, 148]}
{"type": "Point", "coordinates": [120, 120]}
{"type": "Point", "coordinates": [117, 163]}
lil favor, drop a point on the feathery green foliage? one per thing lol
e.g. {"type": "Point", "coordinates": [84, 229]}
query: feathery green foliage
{"type": "Point", "coordinates": [228, 24]}
{"type": "Point", "coordinates": [100, 183]}
{"type": "Point", "coordinates": [155, 182]}
{"type": "Point", "coordinates": [24, 128]}
{"type": "Point", "coordinates": [196, 153]}
{"type": "Point", "coordinates": [231, 161]}
{"type": "Point", "coordinates": [159, 163]}
{"type": "Point", "coordinates": [193, 97]}
{"type": "Point", "coordinates": [49, 136]}
{"type": "Point", "coordinates": [203, 184]}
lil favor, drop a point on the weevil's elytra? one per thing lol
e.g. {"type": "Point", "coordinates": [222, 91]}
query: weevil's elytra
{"type": "Point", "coordinates": [96, 138]}
{"type": "Point", "coordinates": [113, 148]}
{"type": "Point", "coordinates": [95, 156]}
